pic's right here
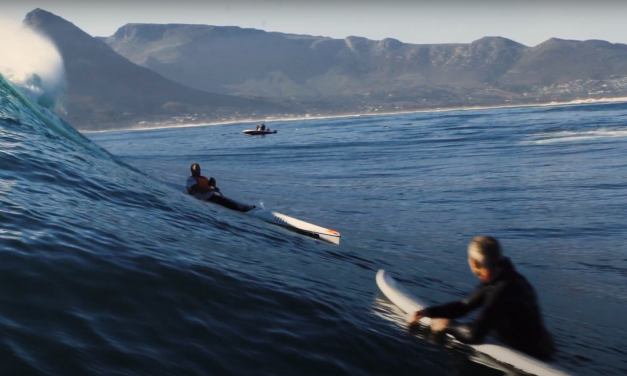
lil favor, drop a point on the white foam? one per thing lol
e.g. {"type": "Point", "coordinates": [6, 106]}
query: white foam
{"type": "Point", "coordinates": [25, 53]}
{"type": "Point", "coordinates": [573, 136]}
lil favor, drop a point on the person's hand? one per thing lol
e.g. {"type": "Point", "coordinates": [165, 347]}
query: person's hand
{"type": "Point", "coordinates": [415, 318]}
{"type": "Point", "coordinates": [438, 325]}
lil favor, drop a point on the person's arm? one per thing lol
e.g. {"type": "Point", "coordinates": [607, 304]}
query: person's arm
{"type": "Point", "coordinates": [476, 331]}
{"type": "Point", "coordinates": [191, 186]}
{"type": "Point", "coordinates": [212, 184]}
{"type": "Point", "coordinates": [454, 310]}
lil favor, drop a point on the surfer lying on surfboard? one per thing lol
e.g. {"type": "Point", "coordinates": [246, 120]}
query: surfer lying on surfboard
{"type": "Point", "coordinates": [510, 305]}
{"type": "Point", "coordinates": [206, 190]}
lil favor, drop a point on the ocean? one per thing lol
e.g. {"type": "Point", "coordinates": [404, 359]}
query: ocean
{"type": "Point", "coordinates": [108, 268]}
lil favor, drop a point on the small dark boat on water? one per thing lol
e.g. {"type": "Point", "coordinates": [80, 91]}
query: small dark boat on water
{"type": "Point", "coordinates": [252, 132]}
{"type": "Point", "coordinates": [260, 130]}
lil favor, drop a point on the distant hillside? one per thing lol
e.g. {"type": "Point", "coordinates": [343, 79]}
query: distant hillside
{"type": "Point", "coordinates": [360, 75]}
{"type": "Point", "coordinates": [558, 61]}
{"type": "Point", "coordinates": [106, 91]}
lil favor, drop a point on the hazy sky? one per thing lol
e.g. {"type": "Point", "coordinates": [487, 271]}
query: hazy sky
{"type": "Point", "coordinates": [420, 21]}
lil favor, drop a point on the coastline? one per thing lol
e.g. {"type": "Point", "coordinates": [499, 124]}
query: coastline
{"type": "Point", "coordinates": [271, 120]}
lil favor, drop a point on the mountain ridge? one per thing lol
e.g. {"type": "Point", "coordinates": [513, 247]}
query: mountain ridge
{"type": "Point", "coordinates": [105, 90]}
{"type": "Point", "coordinates": [169, 74]}
{"type": "Point", "coordinates": [358, 74]}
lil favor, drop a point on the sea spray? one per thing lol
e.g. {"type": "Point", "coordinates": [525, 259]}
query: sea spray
{"type": "Point", "coordinates": [31, 69]}
{"type": "Point", "coordinates": [32, 63]}
{"type": "Point", "coordinates": [25, 52]}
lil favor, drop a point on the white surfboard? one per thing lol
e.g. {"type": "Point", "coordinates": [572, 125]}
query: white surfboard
{"type": "Point", "coordinates": [296, 225]}
{"type": "Point", "coordinates": [410, 304]}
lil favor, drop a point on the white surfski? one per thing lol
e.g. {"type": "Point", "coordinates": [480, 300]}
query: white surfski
{"type": "Point", "coordinates": [293, 224]}
{"type": "Point", "coordinates": [296, 225]}
{"type": "Point", "coordinates": [409, 304]}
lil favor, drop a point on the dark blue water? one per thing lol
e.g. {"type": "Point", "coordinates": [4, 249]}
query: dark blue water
{"type": "Point", "coordinates": [110, 270]}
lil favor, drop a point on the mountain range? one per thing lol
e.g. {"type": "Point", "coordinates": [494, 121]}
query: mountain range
{"type": "Point", "coordinates": [106, 91]}
{"type": "Point", "coordinates": [154, 72]}
{"type": "Point", "coordinates": [388, 73]}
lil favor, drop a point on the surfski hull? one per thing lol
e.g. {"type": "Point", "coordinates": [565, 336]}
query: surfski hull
{"type": "Point", "coordinates": [296, 225]}
{"type": "Point", "coordinates": [410, 304]}
{"type": "Point", "coordinates": [251, 132]}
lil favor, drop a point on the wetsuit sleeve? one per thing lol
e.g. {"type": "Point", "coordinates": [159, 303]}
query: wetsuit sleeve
{"type": "Point", "coordinates": [476, 331]}
{"type": "Point", "coordinates": [191, 185]}
{"type": "Point", "coordinates": [454, 310]}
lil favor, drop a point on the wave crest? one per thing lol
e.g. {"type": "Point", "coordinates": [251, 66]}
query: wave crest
{"type": "Point", "coordinates": [32, 64]}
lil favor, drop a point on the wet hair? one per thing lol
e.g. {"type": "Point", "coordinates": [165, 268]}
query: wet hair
{"type": "Point", "coordinates": [486, 251]}
{"type": "Point", "coordinates": [195, 168]}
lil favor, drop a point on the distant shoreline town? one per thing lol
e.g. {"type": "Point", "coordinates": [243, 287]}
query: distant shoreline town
{"type": "Point", "coordinates": [273, 120]}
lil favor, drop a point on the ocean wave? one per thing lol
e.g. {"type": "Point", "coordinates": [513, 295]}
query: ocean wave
{"type": "Point", "coordinates": [33, 64]}
{"type": "Point", "coordinates": [105, 270]}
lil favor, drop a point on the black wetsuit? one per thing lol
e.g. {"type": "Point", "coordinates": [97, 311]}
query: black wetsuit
{"type": "Point", "coordinates": [217, 198]}
{"type": "Point", "coordinates": [510, 308]}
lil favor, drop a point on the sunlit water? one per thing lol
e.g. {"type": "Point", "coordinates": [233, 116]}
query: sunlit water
{"type": "Point", "coordinates": [109, 270]}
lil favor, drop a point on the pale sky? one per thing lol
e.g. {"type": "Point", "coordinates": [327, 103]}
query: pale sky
{"type": "Point", "coordinates": [529, 22]}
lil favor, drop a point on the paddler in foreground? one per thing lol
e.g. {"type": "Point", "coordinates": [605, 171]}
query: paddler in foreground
{"type": "Point", "coordinates": [510, 305]}
{"type": "Point", "coordinates": [206, 190]}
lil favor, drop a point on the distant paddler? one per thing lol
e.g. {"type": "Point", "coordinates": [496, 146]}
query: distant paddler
{"type": "Point", "coordinates": [206, 190]}
{"type": "Point", "coordinates": [510, 305]}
